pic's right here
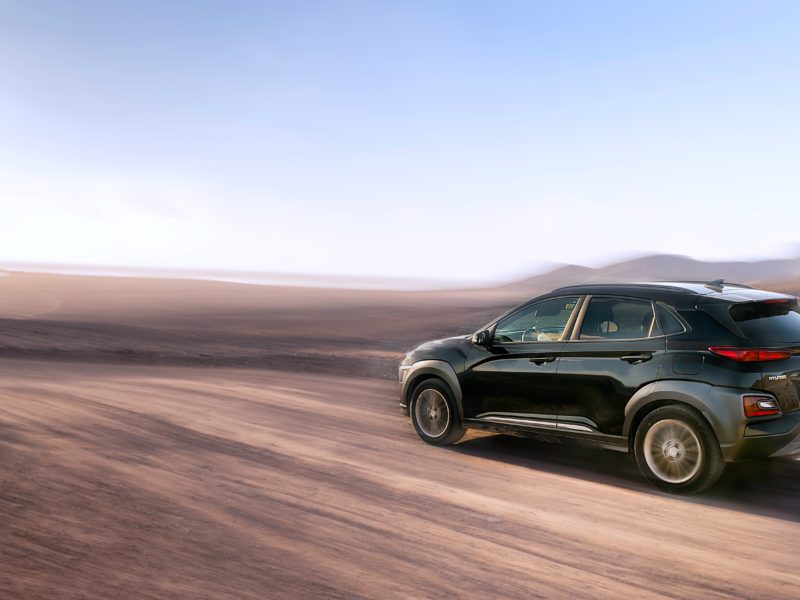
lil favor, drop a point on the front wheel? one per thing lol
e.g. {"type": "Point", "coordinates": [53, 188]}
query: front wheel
{"type": "Point", "coordinates": [677, 450]}
{"type": "Point", "coordinates": [434, 414]}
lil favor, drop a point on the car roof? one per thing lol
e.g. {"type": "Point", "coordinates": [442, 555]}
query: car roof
{"type": "Point", "coordinates": [732, 292]}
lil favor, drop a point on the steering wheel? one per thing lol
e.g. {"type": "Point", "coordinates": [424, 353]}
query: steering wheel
{"type": "Point", "coordinates": [533, 332]}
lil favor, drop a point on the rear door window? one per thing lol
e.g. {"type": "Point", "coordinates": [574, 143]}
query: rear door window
{"type": "Point", "coordinates": [768, 322]}
{"type": "Point", "coordinates": [619, 319]}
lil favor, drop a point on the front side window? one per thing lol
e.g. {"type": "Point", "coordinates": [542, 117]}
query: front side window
{"type": "Point", "coordinates": [619, 319]}
{"type": "Point", "coordinates": [543, 321]}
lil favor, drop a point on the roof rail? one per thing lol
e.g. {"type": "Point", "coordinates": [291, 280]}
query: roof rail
{"type": "Point", "coordinates": [665, 285]}
{"type": "Point", "coordinates": [673, 284]}
{"type": "Point", "coordinates": [716, 283]}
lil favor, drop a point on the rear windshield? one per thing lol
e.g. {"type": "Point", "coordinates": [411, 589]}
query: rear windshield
{"type": "Point", "coordinates": [770, 322]}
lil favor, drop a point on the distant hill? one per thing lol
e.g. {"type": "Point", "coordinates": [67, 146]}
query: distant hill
{"type": "Point", "coordinates": [661, 267]}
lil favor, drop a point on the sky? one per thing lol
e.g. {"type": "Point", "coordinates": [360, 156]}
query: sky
{"type": "Point", "coordinates": [451, 140]}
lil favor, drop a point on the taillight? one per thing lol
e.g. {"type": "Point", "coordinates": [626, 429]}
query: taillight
{"type": "Point", "coordinates": [751, 354]}
{"type": "Point", "coordinates": [760, 406]}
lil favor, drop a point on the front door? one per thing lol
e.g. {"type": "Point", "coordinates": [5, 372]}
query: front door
{"type": "Point", "coordinates": [616, 349]}
{"type": "Point", "coordinates": [512, 380]}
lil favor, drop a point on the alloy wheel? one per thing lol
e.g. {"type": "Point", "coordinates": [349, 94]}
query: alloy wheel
{"type": "Point", "coordinates": [432, 413]}
{"type": "Point", "coordinates": [673, 451]}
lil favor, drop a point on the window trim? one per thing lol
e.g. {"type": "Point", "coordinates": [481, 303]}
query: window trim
{"type": "Point", "coordinates": [575, 333]}
{"type": "Point", "coordinates": [568, 327]}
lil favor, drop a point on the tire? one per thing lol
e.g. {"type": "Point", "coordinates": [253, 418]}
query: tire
{"type": "Point", "coordinates": [434, 414]}
{"type": "Point", "coordinates": [677, 451]}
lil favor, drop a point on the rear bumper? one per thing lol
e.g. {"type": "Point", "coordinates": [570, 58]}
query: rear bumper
{"type": "Point", "coordinates": [780, 437]}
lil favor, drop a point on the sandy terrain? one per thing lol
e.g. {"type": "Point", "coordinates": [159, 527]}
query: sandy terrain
{"type": "Point", "coordinates": [160, 482]}
{"type": "Point", "coordinates": [158, 321]}
{"type": "Point", "coordinates": [137, 462]}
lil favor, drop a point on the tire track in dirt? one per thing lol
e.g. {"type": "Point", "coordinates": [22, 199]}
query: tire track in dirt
{"type": "Point", "coordinates": [165, 482]}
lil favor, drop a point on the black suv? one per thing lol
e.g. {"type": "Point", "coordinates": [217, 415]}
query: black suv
{"type": "Point", "coordinates": [683, 375]}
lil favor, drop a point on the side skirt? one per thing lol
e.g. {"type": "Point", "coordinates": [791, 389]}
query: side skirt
{"type": "Point", "coordinates": [547, 430]}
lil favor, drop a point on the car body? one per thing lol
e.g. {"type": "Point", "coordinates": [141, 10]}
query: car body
{"type": "Point", "coordinates": [718, 364]}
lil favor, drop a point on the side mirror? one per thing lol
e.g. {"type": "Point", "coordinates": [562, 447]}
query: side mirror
{"type": "Point", "coordinates": [482, 338]}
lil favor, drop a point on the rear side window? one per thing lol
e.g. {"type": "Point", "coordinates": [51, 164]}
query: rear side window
{"type": "Point", "coordinates": [768, 322]}
{"type": "Point", "coordinates": [619, 319]}
{"type": "Point", "coordinates": [669, 322]}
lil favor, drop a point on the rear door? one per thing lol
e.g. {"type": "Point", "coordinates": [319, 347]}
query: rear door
{"type": "Point", "coordinates": [617, 347]}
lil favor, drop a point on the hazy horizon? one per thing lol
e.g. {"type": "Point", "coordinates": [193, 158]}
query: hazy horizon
{"type": "Point", "coordinates": [436, 141]}
{"type": "Point", "coordinates": [340, 280]}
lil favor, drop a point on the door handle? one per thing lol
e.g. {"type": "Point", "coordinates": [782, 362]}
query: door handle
{"type": "Point", "coordinates": [541, 359]}
{"type": "Point", "coordinates": [636, 359]}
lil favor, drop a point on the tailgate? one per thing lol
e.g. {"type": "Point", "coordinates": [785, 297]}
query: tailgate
{"type": "Point", "coordinates": [782, 379]}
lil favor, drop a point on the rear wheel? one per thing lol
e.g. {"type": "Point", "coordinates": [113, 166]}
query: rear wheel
{"type": "Point", "coordinates": [677, 450]}
{"type": "Point", "coordinates": [433, 413]}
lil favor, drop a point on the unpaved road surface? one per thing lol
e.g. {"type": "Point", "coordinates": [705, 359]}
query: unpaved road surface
{"type": "Point", "coordinates": [162, 482]}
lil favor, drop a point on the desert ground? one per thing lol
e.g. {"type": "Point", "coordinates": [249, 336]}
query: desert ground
{"type": "Point", "coordinates": [185, 439]}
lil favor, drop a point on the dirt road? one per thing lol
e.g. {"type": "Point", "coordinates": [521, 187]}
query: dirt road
{"type": "Point", "coordinates": [157, 482]}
